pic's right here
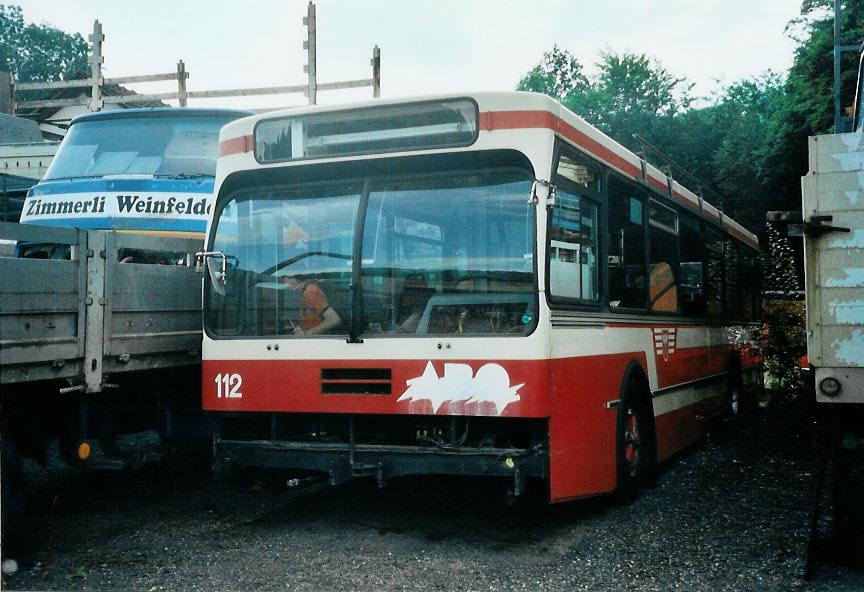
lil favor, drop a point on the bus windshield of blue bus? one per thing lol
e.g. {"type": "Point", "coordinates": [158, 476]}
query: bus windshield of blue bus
{"type": "Point", "coordinates": [431, 254]}
{"type": "Point", "coordinates": [170, 146]}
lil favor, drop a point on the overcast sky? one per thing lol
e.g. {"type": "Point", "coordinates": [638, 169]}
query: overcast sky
{"type": "Point", "coordinates": [427, 46]}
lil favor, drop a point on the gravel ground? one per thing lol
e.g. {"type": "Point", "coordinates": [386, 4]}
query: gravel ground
{"type": "Point", "coordinates": [731, 515]}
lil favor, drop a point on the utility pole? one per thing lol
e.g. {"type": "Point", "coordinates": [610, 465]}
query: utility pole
{"type": "Point", "coordinates": [839, 119]}
{"type": "Point", "coordinates": [96, 61]}
{"type": "Point", "coordinates": [9, 87]}
{"type": "Point", "coordinates": [376, 72]}
{"type": "Point", "coordinates": [182, 75]}
{"type": "Point", "coordinates": [309, 45]}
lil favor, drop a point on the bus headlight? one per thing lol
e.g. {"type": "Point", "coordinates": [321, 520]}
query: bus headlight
{"type": "Point", "coordinates": [829, 386]}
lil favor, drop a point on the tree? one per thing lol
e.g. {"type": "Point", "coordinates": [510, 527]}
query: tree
{"type": "Point", "coordinates": [738, 162]}
{"type": "Point", "coordinates": [806, 107]}
{"type": "Point", "coordinates": [631, 94]}
{"type": "Point", "coordinates": [558, 75]}
{"type": "Point", "coordinates": [750, 141]}
{"type": "Point", "coordinates": [779, 263]}
{"type": "Point", "coordinates": [39, 53]}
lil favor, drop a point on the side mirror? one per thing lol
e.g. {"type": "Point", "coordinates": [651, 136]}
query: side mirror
{"type": "Point", "coordinates": [217, 267]}
{"type": "Point", "coordinates": [543, 191]}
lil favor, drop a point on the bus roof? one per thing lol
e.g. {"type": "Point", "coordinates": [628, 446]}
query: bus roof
{"type": "Point", "coordinates": [513, 110]}
{"type": "Point", "coordinates": [159, 112]}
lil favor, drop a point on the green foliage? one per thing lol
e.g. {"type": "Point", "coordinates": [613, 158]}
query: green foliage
{"type": "Point", "coordinates": [748, 141]}
{"type": "Point", "coordinates": [631, 94]}
{"type": "Point", "coordinates": [39, 53]}
{"type": "Point", "coordinates": [557, 75]}
{"type": "Point", "coordinates": [806, 107]}
{"type": "Point", "coordinates": [784, 343]}
{"type": "Point", "coordinates": [779, 264]}
{"type": "Point", "coordinates": [738, 160]}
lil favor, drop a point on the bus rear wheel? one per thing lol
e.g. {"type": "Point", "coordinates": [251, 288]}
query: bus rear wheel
{"type": "Point", "coordinates": [735, 401]}
{"type": "Point", "coordinates": [635, 445]}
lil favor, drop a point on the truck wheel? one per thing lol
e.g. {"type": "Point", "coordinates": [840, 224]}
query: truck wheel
{"type": "Point", "coordinates": [12, 489]}
{"type": "Point", "coordinates": [848, 496]}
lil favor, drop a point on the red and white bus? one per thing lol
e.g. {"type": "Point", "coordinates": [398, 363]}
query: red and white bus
{"type": "Point", "coordinates": [470, 285]}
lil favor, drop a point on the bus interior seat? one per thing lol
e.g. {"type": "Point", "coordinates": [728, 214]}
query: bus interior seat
{"type": "Point", "coordinates": [412, 301]}
{"type": "Point", "coordinates": [663, 289]}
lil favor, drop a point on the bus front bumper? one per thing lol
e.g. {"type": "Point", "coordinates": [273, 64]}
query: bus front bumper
{"type": "Point", "coordinates": [343, 462]}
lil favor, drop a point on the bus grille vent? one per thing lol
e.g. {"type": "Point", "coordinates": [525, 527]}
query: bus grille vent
{"type": "Point", "coordinates": [356, 381]}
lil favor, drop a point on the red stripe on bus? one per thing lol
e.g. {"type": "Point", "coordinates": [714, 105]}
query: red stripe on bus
{"type": "Point", "coordinates": [687, 364]}
{"type": "Point", "coordinates": [736, 232]}
{"type": "Point", "coordinates": [237, 145]}
{"type": "Point", "coordinates": [684, 200]}
{"type": "Point", "coordinates": [658, 184]}
{"type": "Point", "coordinates": [657, 324]}
{"type": "Point", "coordinates": [499, 120]}
{"type": "Point", "coordinates": [710, 214]}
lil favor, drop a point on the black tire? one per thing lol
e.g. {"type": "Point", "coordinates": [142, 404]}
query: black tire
{"type": "Point", "coordinates": [222, 470]}
{"type": "Point", "coordinates": [735, 400]}
{"type": "Point", "coordinates": [848, 496]}
{"type": "Point", "coordinates": [635, 446]}
{"type": "Point", "coordinates": [12, 490]}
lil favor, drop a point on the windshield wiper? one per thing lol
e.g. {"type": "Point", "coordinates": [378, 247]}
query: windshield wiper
{"type": "Point", "coordinates": [184, 176]}
{"type": "Point", "coordinates": [71, 177]}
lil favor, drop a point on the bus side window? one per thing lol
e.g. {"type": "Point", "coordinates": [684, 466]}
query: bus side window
{"type": "Point", "coordinates": [732, 297]}
{"type": "Point", "coordinates": [626, 247]}
{"type": "Point", "coordinates": [573, 248]}
{"type": "Point", "coordinates": [663, 246]}
{"type": "Point", "coordinates": [691, 285]}
{"type": "Point", "coordinates": [663, 291]}
{"type": "Point", "coordinates": [714, 273]}
{"type": "Point", "coordinates": [750, 283]}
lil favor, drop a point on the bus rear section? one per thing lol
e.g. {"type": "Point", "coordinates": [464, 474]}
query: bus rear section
{"type": "Point", "coordinates": [427, 287]}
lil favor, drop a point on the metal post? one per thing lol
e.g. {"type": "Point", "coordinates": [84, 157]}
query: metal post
{"type": "Point", "coordinates": [94, 315]}
{"type": "Point", "coordinates": [13, 100]}
{"type": "Point", "coordinates": [96, 61]}
{"type": "Point", "coordinates": [837, 129]}
{"type": "Point", "coordinates": [376, 72]}
{"type": "Point", "coordinates": [5, 200]}
{"type": "Point", "coordinates": [5, 92]}
{"type": "Point", "coordinates": [182, 75]}
{"type": "Point", "coordinates": [309, 45]}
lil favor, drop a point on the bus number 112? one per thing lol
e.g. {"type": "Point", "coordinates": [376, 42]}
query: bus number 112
{"type": "Point", "coordinates": [228, 386]}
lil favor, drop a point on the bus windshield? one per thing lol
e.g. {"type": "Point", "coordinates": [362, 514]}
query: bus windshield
{"type": "Point", "coordinates": [432, 254]}
{"type": "Point", "coordinates": [150, 144]}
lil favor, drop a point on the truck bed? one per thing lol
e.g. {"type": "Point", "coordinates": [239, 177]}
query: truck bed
{"type": "Point", "coordinates": [93, 316]}
{"type": "Point", "coordinates": [834, 262]}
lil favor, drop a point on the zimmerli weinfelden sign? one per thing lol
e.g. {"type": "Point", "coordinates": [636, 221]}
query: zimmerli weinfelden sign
{"type": "Point", "coordinates": [135, 211]}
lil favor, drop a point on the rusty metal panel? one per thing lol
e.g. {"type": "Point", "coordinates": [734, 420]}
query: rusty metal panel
{"type": "Point", "coordinates": [834, 262]}
{"type": "Point", "coordinates": [93, 315]}
{"type": "Point", "coordinates": [153, 312]}
{"type": "Point", "coordinates": [41, 308]}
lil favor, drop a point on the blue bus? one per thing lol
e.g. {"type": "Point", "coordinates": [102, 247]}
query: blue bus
{"type": "Point", "coordinates": [139, 170]}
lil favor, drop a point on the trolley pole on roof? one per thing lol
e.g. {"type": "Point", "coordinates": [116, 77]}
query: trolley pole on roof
{"type": "Point", "coordinates": [309, 45]}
